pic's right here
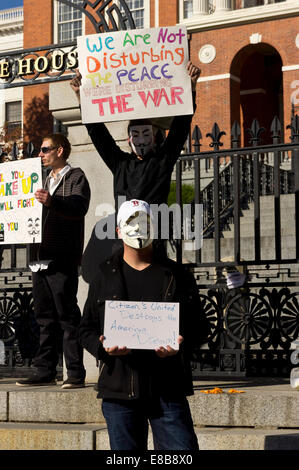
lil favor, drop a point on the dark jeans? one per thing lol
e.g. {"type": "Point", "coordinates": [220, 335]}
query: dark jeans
{"type": "Point", "coordinates": [171, 424]}
{"type": "Point", "coordinates": [56, 309]}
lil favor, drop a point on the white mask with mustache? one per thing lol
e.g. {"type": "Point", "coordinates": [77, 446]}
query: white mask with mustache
{"type": "Point", "coordinates": [141, 139]}
{"type": "Point", "coordinates": [136, 231]}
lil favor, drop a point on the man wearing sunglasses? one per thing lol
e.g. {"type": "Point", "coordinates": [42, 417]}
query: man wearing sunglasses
{"type": "Point", "coordinates": [54, 265]}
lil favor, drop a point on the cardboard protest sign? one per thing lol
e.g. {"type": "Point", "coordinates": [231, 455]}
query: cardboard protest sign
{"type": "Point", "coordinates": [141, 325]}
{"type": "Point", "coordinates": [20, 212]}
{"type": "Point", "coordinates": [134, 74]}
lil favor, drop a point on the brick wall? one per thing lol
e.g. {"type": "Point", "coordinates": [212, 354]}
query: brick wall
{"type": "Point", "coordinates": [219, 100]}
{"type": "Point", "coordinates": [168, 12]}
{"type": "Point", "coordinates": [38, 31]}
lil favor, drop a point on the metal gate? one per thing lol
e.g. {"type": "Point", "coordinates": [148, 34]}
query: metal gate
{"type": "Point", "coordinates": [250, 199]}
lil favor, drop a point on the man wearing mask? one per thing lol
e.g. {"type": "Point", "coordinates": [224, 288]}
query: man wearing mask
{"type": "Point", "coordinates": [145, 173]}
{"type": "Point", "coordinates": [141, 386]}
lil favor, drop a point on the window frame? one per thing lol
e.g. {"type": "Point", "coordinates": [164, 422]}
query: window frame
{"type": "Point", "coordinates": [56, 23]}
{"type": "Point", "coordinates": [18, 123]}
{"type": "Point", "coordinates": [147, 13]}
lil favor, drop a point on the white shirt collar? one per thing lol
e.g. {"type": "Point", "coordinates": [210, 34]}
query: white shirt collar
{"type": "Point", "coordinates": [61, 173]}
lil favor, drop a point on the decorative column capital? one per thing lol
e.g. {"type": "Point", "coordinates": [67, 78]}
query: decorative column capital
{"type": "Point", "coordinates": [200, 7]}
{"type": "Point", "coordinates": [223, 5]}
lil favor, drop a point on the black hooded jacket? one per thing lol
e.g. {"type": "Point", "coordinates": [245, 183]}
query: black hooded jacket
{"type": "Point", "coordinates": [120, 376]}
{"type": "Point", "coordinates": [147, 179]}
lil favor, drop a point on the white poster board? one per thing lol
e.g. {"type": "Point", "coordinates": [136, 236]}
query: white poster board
{"type": "Point", "coordinates": [141, 325]}
{"type": "Point", "coordinates": [20, 212]}
{"type": "Point", "coordinates": [134, 74]}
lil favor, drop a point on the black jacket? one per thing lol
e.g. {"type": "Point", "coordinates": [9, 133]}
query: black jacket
{"type": "Point", "coordinates": [147, 179]}
{"type": "Point", "coordinates": [63, 221]}
{"type": "Point", "coordinates": [120, 376]}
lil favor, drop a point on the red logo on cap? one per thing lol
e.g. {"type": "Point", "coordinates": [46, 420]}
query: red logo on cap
{"type": "Point", "coordinates": [135, 203]}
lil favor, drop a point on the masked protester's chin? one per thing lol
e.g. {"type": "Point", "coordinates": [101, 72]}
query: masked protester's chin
{"type": "Point", "coordinates": [137, 243]}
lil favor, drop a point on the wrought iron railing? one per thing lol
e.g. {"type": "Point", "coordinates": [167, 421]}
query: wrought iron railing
{"type": "Point", "coordinates": [253, 326]}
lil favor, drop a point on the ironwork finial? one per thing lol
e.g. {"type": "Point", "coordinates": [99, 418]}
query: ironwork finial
{"type": "Point", "coordinates": [255, 132]}
{"type": "Point", "coordinates": [196, 137]}
{"type": "Point", "coordinates": [14, 152]}
{"type": "Point", "coordinates": [294, 126]}
{"type": "Point", "coordinates": [235, 134]}
{"type": "Point", "coordinates": [276, 130]}
{"type": "Point", "coordinates": [216, 135]}
{"type": "Point", "coordinates": [30, 150]}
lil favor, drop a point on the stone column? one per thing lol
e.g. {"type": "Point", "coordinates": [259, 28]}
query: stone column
{"type": "Point", "coordinates": [200, 7]}
{"type": "Point", "coordinates": [223, 5]}
{"type": "Point", "coordinates": [64, 107]}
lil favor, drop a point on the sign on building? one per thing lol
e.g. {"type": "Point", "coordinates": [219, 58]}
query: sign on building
{"type": "Point", "coordinates": [20, 212]}
{"type": "Point", "coordinates": [134, 74]}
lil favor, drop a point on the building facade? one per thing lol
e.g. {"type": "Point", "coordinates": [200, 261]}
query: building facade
{"type": "Point", "coordinates": [247, 51]}
{"type": "Point", "coordinates": [11, 100]}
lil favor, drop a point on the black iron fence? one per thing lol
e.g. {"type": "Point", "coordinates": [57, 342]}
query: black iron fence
{"type": "Point", "coordinates": [250, 199]}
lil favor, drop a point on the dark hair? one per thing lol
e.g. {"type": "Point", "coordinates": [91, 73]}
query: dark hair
{"type": "Point", "coordinates": [139, 122]}
{"type": "Point", "coordinates": [60, 140]}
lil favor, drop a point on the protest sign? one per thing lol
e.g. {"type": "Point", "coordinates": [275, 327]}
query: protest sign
{"type": "Point", "coordinates": [134, 74]}
{"type": "Point", "coordinates": [20, 212]}
{"type": "Point", "coordinates": [141, 325]}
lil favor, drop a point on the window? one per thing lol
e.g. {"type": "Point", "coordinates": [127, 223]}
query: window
{"type": "Point", "coordinates": [13, 117]}
{"type": "Point", "coordinates": [256, 3]}
{"type": "Point", "coordinates": [69, 22]}
{"type": "Point", "coordinates": [188, 8]}
{"type": "Point", "coordinates": [137, 9]}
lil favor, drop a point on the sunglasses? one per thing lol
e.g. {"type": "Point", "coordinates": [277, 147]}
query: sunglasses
{"type": "Point", "coordinates": [46, 149]}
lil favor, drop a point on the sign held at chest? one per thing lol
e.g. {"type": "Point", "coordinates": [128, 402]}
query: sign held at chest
{"type": "Point", "coordinates": [141, 325]}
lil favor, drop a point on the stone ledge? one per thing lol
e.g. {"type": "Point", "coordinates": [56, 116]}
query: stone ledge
{"type": "Point", "coordinates": [3, 406]}
{"type": "Point", "coordinates": [33, 436]}
{"type": "Point", "coordinates": [257, 407]}
{"type": "Point", "coordinates": [55, 405]}
{"type": "Point", "coordinates": [20, 436]}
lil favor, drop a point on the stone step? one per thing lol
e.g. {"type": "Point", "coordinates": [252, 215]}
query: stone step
{"type": "Point", "coordinates": [265, 416]}
{"type": "Point", "coordinates": [288, 245]}
{"type": "Point", "coordinates": [286, 200]}
{"type": "Point", "coordinates": [20, 436]}
{"type": "Point", "coordinates": [263, 403]}
{"type": "Point", "coordinates": [47, 436]}
{"type": "Point", "coordinates": [247, 439]}
{"type": "Point", "coordinates": [267, 229]}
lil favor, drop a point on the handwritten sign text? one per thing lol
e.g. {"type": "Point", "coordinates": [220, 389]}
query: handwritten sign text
{"type": "Point", "coordinates": [141, 325]}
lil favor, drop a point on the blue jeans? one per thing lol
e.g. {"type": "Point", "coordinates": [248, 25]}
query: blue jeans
{"type": "Point", "coordinates": [171, 424]}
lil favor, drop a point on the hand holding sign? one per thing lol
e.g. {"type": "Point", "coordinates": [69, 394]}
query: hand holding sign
{"type": "Point", "coordinates": [43, 196]}
{"type": "Point", "coordinates": [76, 82]}
{"type": "Point", "coordinates": [115, 350]}
{"type": "Point", "coordinates": [123, 351]}
{"type": "Point", "coordinates": [141, 325]}
{"type": "Point", "coordinates": [168, 351]}
{"type": "Point", "coordinates": [194, 73]}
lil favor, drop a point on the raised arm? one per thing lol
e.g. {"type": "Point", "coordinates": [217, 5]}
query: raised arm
{"type": "Point", "coordinates": [180, 126]}
{"type": "Point", "coordinates": [99, 134]}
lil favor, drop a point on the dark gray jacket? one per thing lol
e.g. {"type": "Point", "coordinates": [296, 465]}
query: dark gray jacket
{"type": "Point", "coordinates": [63, 221]}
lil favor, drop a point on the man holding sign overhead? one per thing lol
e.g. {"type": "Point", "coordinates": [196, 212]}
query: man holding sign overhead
{"type": "Point", "coordinates": [137, 77]}
{"type": "Point", "coordinates": [141, 320]}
